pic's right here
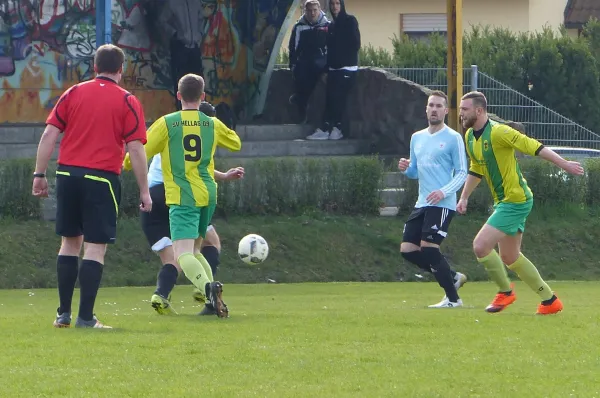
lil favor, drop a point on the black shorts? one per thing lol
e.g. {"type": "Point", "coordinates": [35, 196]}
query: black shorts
{"type": "Point", "coordinates": [156, 223]}
{"type": "Point", "coordinates": [87, 203]}
{"type": "Point", "coordinates": [429, 224]}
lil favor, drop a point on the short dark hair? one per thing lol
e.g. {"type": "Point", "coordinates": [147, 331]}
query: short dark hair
{"type": "Point", "coordinates": [478, 98]}
{"type": "Point", "coordinates": [191, 87]}
{"type": "Point", "coordinates": [441, 94]}
{"type": "Point", "coordinates": [109, 59]}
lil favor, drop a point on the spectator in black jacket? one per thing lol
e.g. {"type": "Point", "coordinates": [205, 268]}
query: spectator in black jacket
{"type": "Point", "coordinates": [343, 44]}
{"type": "Point", "coordinates": [308, 53]}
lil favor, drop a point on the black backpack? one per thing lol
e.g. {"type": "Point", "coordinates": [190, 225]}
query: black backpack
{"type": "Point", "coordinates": [207, 109]}
{"type": "Point", "coordinates": [226, 115]}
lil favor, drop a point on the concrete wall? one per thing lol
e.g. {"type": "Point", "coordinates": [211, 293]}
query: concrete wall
{"type": "Point", "coordinates": [47, 46]}
{"type": "Point", "coordinates": [380, 21]}
{"type": "Point", "coordinates": [546, 13]}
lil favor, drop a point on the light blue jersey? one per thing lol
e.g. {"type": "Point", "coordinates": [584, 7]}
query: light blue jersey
{"type": "Point", "coordinates": [439, 162]}
{"type": "Point", "coordinates": [155, 174]}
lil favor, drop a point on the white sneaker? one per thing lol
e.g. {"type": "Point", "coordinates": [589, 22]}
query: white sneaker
{"type": "Point", "coordinates": [336, 134]}
{"type": "Point", "coordinates": [447, 304]}
{"type": "Point", "coordinates": [318, 135]}
{"type": "Point", "coordinates": [459, 281]}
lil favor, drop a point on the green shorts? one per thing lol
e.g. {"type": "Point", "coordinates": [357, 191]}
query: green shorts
{"type": "Point", "coordinates": [510, 218]}
{"type": "Point", "coordinates": [188, 222]}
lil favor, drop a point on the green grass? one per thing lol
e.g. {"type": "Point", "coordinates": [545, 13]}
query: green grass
{"type": "Point", "coordinates": [319, 247]}
{"type": "Point", "coordinates": [302, 340]}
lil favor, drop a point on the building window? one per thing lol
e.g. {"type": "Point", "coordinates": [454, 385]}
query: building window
{"type": "Point", "coordinates": [420, 26]}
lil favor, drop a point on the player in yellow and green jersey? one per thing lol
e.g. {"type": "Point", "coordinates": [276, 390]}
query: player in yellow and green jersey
{"type": "Point", "coordinates": [187, 141]}
{"type": "Point", "coordinates": [491, 148]}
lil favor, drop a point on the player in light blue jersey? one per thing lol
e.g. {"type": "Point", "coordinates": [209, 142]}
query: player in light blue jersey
{"type": "Point", "coordinates": [438, 160]}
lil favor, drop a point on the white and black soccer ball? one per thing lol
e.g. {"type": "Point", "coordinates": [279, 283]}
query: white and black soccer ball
{"type": "Point", "coordinates": [253, 249]}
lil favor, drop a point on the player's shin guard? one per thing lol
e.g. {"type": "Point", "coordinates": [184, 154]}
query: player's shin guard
{"type": "Point", "coordinates": [90, 275]}
{"type": "Point", "coordinates": [212, 255]}
{"type": "Point", "coordinates": [194, 271]}
{"type": "Point", "coordinates": [205, 265]}
{"type": "Point", "coordinates": [496, 270]}
{"type": "Point", "coordinates": [441, 271]}
{"type": "Point", "coordinates": [417, 258]}
{"type": "Point", "coordinates": [166, 280]}
{"type": "Point", "coordinates": [67, 268]}
{"type": "Point", "coordinates": [529, 274]}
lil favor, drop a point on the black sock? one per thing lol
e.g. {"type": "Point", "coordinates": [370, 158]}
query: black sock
{"type": "Point", "coordinates": [417, 258]}
{"type": "Point", "coordinates": [167, 278]}
{"type": "Point", "coordinates": [441, 271]}
{"type": "Point", "coordinates": [90, 275]}
{"type": "Point", "coordinates": [211, 254]}
{"type": "Point", "coordinates": [550, 300]}
{"type": "Point", "coordinates": [66, 272]}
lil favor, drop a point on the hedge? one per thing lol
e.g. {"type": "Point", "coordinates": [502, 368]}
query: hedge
{"type": "Point", "coordinates": [271, 186]}
{"type": "Point", "coordinates": [289, 186]}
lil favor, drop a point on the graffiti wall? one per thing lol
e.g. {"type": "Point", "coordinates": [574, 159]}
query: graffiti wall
{"type": "Point", "coordinates": [48, 45]}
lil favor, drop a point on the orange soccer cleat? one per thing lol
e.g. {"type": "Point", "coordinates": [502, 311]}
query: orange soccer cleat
{"type": "Point", "coordinates": [554, 308]}
{"type": "Point", "coordinates": [502, 300]}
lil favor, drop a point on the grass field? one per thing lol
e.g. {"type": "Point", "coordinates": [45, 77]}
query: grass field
{"type": "Point", "coordinates": [302, 340]}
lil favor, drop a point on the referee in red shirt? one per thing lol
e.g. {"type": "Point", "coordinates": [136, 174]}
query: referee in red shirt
{"type": "Point", "coordinates": [98, 119]}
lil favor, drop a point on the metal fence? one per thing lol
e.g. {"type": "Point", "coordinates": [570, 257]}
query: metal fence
{"type": "Point", "coordinates": [435, 78]}
{"type": "Point", "coordinates": [541, 122]}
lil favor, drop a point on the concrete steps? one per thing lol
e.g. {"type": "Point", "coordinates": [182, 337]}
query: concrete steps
{"type": "Point", "coordinates": [391, 193]}
{"type": "Point", "coordinates": [289, 140]}
{"type": "Point", "coordinates": [279, 148]}
{"type": "Point", "coordinates": [279, 132]}
{"type": "Point", "coordinates": [257, 141]}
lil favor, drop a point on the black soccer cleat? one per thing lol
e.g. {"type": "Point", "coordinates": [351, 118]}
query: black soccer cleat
{"type": "Point", "coordinates": [215, 295]}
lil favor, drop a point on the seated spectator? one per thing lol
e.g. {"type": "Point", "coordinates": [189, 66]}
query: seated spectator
{"type": "Point", "coordinates": [308, 54]}
{"type": "Point", "coordinates": [343, 44]}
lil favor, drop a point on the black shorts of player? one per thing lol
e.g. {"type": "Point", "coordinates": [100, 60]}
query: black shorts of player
{"type": "Point", "coordinates": [156, 223]}
{"type": "Point", "coordinates": [429, 224]}
{"type": "Point", "coordinates": [87, 203]}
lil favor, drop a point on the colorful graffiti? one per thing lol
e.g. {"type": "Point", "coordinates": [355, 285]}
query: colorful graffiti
{"type": "Point", "coordinates": [48, 45]}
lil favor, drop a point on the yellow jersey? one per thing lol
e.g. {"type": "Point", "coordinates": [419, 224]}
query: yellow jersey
{"type": "Point", "coordinates": [492, 157]}
{"type": "Point", "coordinates": [187, 141]}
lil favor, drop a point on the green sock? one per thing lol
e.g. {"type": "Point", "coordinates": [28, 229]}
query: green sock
{"type": "Point", "coordinates": [194, 271]}
{"type": "Point", "coordinates": [530, 275]}
{"type": "Point", "coordinates": [205, 265]}
{"type": "Point", "coordinates": [495, 269]}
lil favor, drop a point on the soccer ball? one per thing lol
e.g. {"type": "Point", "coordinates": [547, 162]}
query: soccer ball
{"type": "Point", "coordinates": [253, 249]}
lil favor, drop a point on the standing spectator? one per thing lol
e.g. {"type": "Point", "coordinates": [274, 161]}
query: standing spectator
{"type": "Point", "coordinates": [343, 44]}
{"type": "Point", "coordinates": [98, 119]}
{"type": "Point", "coordinates": [181, 20]}
{"type": "Point", "coordinates": [308, 53]}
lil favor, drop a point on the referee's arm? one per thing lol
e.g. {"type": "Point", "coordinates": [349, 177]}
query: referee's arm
{"type": "Point", "coordinates": [44, 153]}
{"type": "Point", "coordinates": [46, 147]}
{"type": "Point", "coordinates": [55, 124]}
{"type": "Point", "coordinates": [135, 138]}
